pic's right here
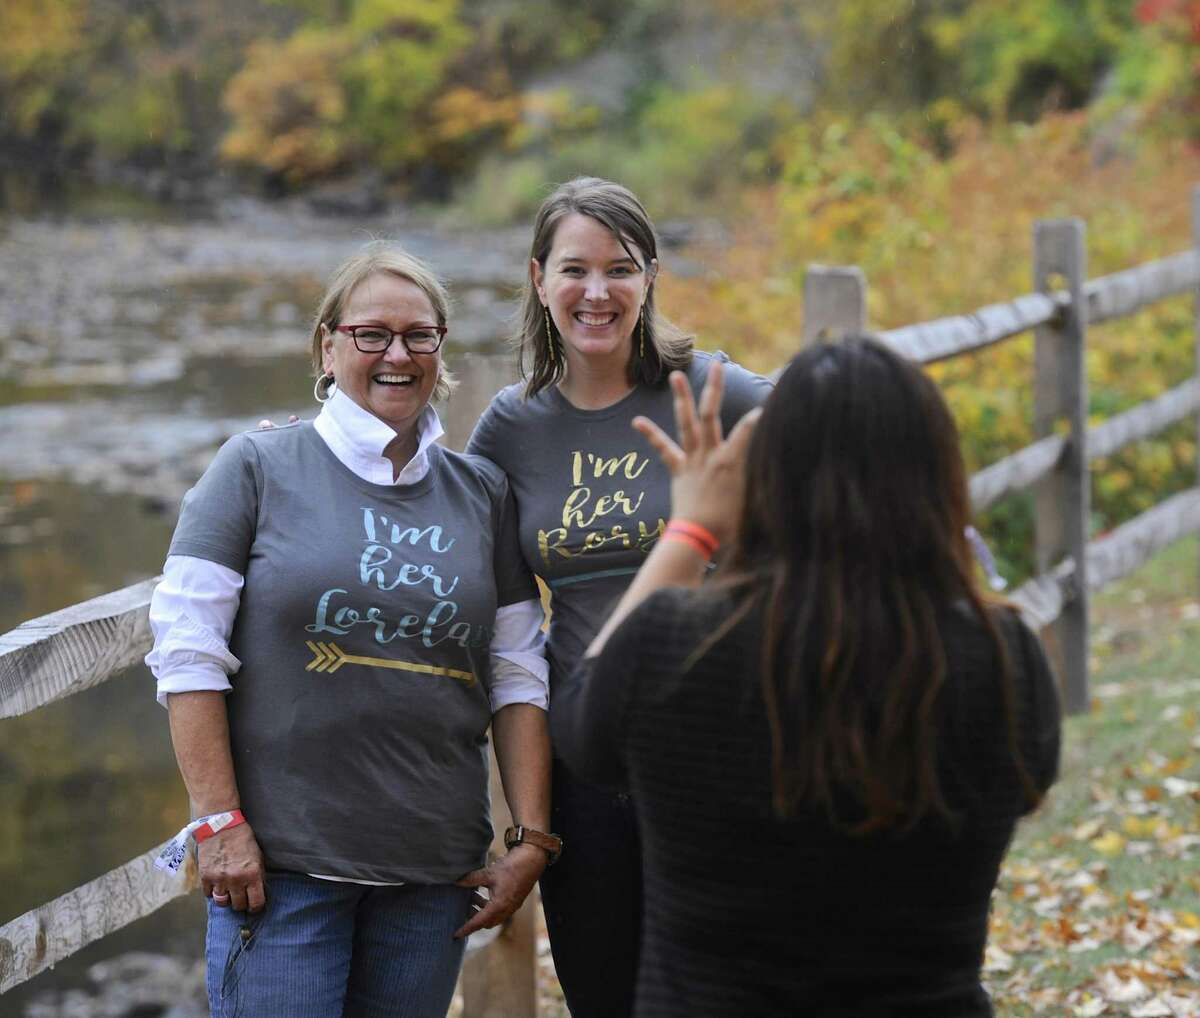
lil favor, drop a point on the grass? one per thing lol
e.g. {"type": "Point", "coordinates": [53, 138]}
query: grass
{"type": "Point", "coordinates": [1098, 907]}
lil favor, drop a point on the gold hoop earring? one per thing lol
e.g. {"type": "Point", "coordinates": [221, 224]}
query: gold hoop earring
{"type": "Point", "coordinates": [549, 333]}
{"type": "Point", "coordinates": [642, 333]}
{"type": "Point", "coordinates": [322, 386]}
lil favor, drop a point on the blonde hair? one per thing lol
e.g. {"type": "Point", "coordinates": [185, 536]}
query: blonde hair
{"type": "Point", "coordinates": [380, 256]}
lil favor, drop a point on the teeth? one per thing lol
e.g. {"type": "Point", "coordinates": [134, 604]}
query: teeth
{"type": "Point", "coordinates": [595, 319]}
{"type": "Point", "coordinates": [394, 379]}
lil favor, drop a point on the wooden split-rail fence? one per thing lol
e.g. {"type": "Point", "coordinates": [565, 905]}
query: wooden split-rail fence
{"type": "Point", "coordinates": [60, 654]}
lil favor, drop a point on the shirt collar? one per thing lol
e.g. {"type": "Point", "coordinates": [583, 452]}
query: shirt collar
{"type": "Point", "coordinates": [357, 438]}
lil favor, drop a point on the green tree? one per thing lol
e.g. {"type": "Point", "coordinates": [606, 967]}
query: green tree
{"type": "Point", "coordinates": [1007, 58]}
{"type": "Point", "coordinates": [358, 93]}
{"type": "Point", "coordinates": [41, 42]}
{"type": "Point", "coordinates": [122, 77]}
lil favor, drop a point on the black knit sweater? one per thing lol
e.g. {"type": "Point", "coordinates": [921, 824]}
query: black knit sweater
{"type": "Point", "coordinates": [750, 916]}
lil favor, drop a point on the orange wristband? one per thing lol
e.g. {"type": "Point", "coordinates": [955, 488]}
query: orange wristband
{"type": "Point", "coordinates": [687, 539]}
{"type": "Point", "coordinates": [705, 540]}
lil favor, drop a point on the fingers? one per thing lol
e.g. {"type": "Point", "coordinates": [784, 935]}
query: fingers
{"type": "Point", "coordinates": [738, 442]}
{"type": "Point", "coordinates": [686, 423]}
{"type": "Point", "coordinates": [492, 914]}
{"type": "Point", "coordinates": [267, 425]}
{"type": "Point", "coordinates": [256, 896]}
{"type": "Point", "coordinates": [476, 878]}
{"type": "Point", "coordinates": [238, 899]}
{"type": "Point", "coordinates": [231, 870]}
{"type": "Point", "coordinates": [709, 430]}
{"type": "Point", "coordinates": [663, 444]}
{"type": "Point", "coordinates": [248, 897]}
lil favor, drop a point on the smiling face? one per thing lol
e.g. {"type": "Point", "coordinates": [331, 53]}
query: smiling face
{"type": "Point", "coordinates": [594, 290]}
{"type": "Point", "coordinates": [394, 385]}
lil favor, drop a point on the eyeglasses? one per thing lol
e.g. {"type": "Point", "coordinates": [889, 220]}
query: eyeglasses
{"type": "Point", "coordinates": [376, 338]}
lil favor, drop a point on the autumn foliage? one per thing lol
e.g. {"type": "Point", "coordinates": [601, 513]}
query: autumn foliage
{"type": "Point", "coordinates": [939, 236]}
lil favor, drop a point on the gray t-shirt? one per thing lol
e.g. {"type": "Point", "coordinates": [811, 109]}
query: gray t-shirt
{"type": "Point", "coordinates": [592, 496]}
{"type": "Point", "coordinates": [358, 720]}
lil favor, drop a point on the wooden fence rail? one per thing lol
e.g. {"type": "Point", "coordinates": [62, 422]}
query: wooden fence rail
{"type": "Point", "coordinates": [60, 654]}
{"type": "Point", "coordinates": [74, 649]}
{"type": "Point", "coordinates": [1025, 468]}
{"type": "Point", "coordinates": [1055, 465]}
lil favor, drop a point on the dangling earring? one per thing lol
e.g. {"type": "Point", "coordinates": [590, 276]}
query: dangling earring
{"type": "Point", "coordinates": [549, 333]}
{"type": "Point", "coordinates": [642, 333]}
{"type": "Point", "coordinates": [322, 386]}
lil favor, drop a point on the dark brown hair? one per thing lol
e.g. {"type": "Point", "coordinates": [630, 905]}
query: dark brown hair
{"type": "Point", "coordinates": [851, 550]}
{"type": "Point", "coordinates": [667, 347]}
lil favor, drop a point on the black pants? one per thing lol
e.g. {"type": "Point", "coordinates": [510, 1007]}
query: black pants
{"type": "Point", "coordinates": [593, 898]}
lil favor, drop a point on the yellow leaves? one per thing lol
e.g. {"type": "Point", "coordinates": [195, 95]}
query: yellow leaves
{"type": "Point", "coordinates": [287, 104]}
{"type": "Point", "coordinates": [1101, 930]}
{"type": "Point", "coordinates": [1140, 827]}
{"type": "Point", "coordinates": [358, 93]}
{"type": "Point", "coordinates": [464, 112]}
{"type": "Point", "coordinates": [39, 40]}
{"type": "Point", "coordinates": [32, 31]}
{"type": "Point", "coordinates": [945, 235]}
{"type": "Point", "coordinates": [1110, 844]}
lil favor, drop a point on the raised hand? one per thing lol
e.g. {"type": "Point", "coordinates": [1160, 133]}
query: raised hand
{"type": "Point", "coordinates": [707, 470]}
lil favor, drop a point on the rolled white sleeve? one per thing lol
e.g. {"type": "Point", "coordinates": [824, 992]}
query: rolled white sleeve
{"type": "Point", "coordinates": [520, 673]}
{"type": "Point", "coordinates": [191, 615]}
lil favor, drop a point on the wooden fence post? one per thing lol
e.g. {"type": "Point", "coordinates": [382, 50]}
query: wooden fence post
{"type": "Point", "coordinates": [500, 981]}
{"type": "Point", "coordinates": [1063, 498]}
{"type": "Point", "coordinates": [835, 302]}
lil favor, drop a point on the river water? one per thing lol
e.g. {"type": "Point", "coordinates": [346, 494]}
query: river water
{"type": "Point", "coordinates": [129, 349]}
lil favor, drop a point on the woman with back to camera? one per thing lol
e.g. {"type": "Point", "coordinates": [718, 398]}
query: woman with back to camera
{"type": "Point", "coordinates": [365, 586]}
{"type": "Point", "coordinates": [829, 743]}
{"type": "Point", "coordinates": [592, 501]}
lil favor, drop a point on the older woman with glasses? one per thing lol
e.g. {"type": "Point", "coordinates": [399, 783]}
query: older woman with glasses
{"type": "Point", "coordinates": [363, 589]}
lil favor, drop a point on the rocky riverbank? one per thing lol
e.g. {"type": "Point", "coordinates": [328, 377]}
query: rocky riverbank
{"type": "Point", "coordinates": [136, 985]}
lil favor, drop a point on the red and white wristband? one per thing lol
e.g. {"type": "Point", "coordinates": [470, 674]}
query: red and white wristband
{"type": "Point", "coordinates": [201, 829]}
{"type": "Point", "coordinates": [694, 535]}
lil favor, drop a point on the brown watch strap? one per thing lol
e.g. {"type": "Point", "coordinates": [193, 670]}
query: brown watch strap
{"type": "Point", "coordinates": [551, 844]}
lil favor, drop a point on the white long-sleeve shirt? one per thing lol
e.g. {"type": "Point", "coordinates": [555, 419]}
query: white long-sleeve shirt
{"type": "Point", "coordinates": [193, 608]}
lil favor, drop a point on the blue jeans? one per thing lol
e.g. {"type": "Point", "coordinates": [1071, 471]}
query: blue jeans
{"type": "Point", "coordinates": [324, 949]}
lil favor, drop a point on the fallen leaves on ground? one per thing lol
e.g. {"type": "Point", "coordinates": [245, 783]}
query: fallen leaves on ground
{"type": "Point", "coordinates": [1097, 911]}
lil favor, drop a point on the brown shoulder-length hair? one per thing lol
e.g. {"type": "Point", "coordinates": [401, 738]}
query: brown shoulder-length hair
{"type": "Point", "coordinates": [668, 348]}
{"type": "Point", "coordinates": [851, 550]}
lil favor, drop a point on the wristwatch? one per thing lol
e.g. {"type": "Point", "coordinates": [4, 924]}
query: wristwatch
{"type": "Point", "coordinates": [551, 844]}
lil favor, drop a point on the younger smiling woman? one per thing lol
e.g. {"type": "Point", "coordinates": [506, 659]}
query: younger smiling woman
{"type": "Point", "coordinates": [592, 500]}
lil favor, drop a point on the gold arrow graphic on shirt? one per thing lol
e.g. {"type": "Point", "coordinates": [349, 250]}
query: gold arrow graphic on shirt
{"type": "Point", "coordinates": [329, 657]}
